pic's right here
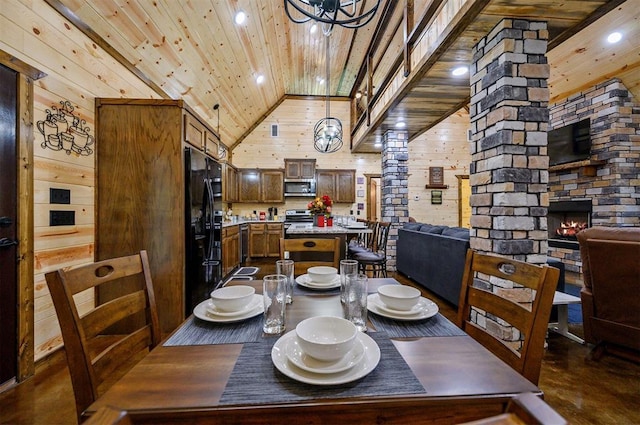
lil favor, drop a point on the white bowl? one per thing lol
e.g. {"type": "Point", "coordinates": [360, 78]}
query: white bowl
{"type": "Point", "coordinates": [232, 298]}
{"type": "Point", "coordinates": [322, 274]}
{"type": "Point", "coordinates": [399, 297]}
{"type": "Point", "coordinates": [326, 338]}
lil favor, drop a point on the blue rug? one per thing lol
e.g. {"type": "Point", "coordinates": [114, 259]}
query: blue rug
{"type": "Point", "coordinates": [575, 310]}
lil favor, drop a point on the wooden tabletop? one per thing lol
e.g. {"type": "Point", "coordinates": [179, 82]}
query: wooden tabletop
{"type": "Point", "coordinates": [463, 381]}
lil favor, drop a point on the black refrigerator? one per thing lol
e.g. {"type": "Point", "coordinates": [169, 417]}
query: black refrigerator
{"type": "Point", "coordinates": [203, 209]}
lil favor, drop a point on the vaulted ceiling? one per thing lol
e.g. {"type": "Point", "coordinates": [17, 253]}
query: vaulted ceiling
{"type": "Point", "coordinates": [193, 49]}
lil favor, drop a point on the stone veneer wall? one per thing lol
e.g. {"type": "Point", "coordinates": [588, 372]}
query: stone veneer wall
{"type": "Point", "coordinates": [395, 187]}
{"type": "Point", "coordinates": [614, 190]}
{"type": "Point", "coordinates": [509, 163]}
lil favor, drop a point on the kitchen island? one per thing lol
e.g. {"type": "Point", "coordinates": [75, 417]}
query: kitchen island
{"type": "Point", "coordinates": [308, 230]}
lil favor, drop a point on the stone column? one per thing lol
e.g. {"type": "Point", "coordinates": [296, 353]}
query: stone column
{"type": "Point", "coordinates": [395, 190]}
{"type": "Point", "coordinates": [509, 119]}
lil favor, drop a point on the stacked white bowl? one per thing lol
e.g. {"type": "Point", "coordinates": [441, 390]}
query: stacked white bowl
{"type": "Point", "coordinates": [326, 338]}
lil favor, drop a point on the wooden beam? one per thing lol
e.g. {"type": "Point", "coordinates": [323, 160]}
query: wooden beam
{"type": "Point", "coordinates": [16, 64]}
{"type": "Point", "coordinates": [408, 24]}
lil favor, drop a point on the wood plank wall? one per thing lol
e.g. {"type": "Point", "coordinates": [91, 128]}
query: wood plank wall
{"type": "Point", "coordinates": [445, 145]}
{"type": "Point", "coordinates": [78, 72]}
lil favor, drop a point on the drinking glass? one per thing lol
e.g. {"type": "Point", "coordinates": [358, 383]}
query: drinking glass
{"type": "Point", "coordinates": [286, 268]}
{"type": "Point", "coordinates": [355, 306]}
{"type": "Point", "coordinates": [347, 268]}
{"type": "Point", "coordinates": [274, 297]}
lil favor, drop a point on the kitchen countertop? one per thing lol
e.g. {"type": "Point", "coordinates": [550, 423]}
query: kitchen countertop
{"type": "Point", "coordinates": [310, 229]}
{"type": "Point", "coordinates": [237, 223]}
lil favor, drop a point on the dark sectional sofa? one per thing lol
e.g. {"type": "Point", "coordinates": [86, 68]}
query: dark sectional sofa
{"type": "Point", "coordinates": [434, 257]}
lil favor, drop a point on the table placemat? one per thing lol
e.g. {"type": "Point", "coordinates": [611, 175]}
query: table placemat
{"type": "Point", "coordinates": [200, 332]}
{"type": "Point", "coordinates": [255, 378]}
{"type": "Point", "coordinates": [437, 325]}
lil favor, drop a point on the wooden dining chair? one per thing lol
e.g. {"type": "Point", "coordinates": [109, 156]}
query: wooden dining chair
{"type": "Point", "coordinates": [311, 252]}
{"type": "Point", "coordinates": [526, 408]}
{"type": "Point", "coordinates": [529, 318]}
{"type": "Point", "coordinates": [95, 350]}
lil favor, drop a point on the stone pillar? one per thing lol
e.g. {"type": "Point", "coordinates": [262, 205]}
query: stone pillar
{"type": "Point", "coordinates": [509, 119]}
{"type": "Point", "coordinates": [395, 187]}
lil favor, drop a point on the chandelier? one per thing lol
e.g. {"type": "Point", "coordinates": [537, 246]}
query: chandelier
{"type": "Point", "coordinates": [327, 133]}
{"type": "Point", "coordinates": [333, 12]}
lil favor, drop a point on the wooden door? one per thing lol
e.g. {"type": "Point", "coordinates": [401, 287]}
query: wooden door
{"type": "Point", "coordinates": [345, 186]}
{"type": "Point", "coordinates": [272, 186]}
{"type": "Point", "coordinates": [248, 185]}
{"type": "Point", "coordinates": [326, 183]}
{"type": "Point", "coordinates": [257, 240]}
{"type": "Point", "coordinates": [8, 225]}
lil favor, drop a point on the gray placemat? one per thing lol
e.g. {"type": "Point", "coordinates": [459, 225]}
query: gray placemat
{"type": "Point", "coordinates": [199, 332]}
{"type": "Point", "coordinates": [437, 325]}
{"type": "Point", "coordinates": [255, 378]}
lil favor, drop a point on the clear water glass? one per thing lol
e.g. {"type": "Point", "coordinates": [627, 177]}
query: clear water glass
{"type": "Point", "coordinates": [355, 306]}
{"type": "Point", "coordinates": [347, 268]}
{"type": "Point", "coordinates": [286, 268]}
{"type": "Point", "coordinates": [274, 297]}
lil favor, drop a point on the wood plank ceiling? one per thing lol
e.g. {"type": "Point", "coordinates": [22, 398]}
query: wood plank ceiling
{"type": "Point", "coordinates": [193, 49]}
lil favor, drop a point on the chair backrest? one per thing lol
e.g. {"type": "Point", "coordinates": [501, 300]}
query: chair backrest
{"type": "Point", "coordinates": [530, 318]}
{"type": "Point", "coordinates": [311, 252]}
{"type": "Point", "coordinates": [381, 237]}
{"type": "Point", "coordinates": [93, 351]}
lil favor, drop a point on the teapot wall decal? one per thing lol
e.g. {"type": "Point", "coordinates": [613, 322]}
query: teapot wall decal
{"type": "Point", "coordinates": [62, 130]}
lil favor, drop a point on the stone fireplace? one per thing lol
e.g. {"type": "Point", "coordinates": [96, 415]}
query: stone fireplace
{"type": "Point", "coordinates": [605, 189]}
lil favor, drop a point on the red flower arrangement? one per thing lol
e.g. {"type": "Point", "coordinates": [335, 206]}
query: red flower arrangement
{"type": "Point", "coordinates": [321, 205]}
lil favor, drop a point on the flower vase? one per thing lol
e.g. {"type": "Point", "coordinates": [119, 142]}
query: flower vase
{"type": "Point", "coordinates": [318, 220]}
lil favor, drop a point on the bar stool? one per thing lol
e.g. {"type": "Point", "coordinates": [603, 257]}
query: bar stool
{"type": "Point", "coordinates": [375, 260]}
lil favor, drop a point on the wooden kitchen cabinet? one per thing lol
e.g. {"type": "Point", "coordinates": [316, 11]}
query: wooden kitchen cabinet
{"type": "Point", "coordinates": [260, 185]}
{"type": "Point", "coordinates": [340, 185]}
{"type": "Point", "coordinates": [230, 248]}
{"type": "Point", "coordinates": [140, 192]}
{"type": "Point", "coordinates": [199, 135]}
{"type": "Point", "coordinates": [299, 168]}
{"type": "Point", "coordinates": [264, 239]}
{"type": "Point", "coordinates": [230, 187]}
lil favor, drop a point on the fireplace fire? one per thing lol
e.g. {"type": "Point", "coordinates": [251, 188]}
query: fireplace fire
{"type": "Point", "coordinates": [570, 230]}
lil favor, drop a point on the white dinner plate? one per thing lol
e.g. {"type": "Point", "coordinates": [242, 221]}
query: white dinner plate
{"type": "Point", "coordinates": [298, 357]}
{"type": "Point", "coordinates": [255, 300]}
{"type": "Point", "coordinates": [305, 280]}
{"type": "Point", "coordinates": [363, 368]}
{"type": "Point", "coordinates": [355, 226]}
{"type": "Point", "coordinates": [201, 312]}
{"type": "Point", "coordinates": [429, 309]}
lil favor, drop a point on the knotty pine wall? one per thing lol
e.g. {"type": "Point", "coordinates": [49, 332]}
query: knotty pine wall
{"type": "Point", "coordinates": [445, 145]}
{"type": "Point", "coordinates": [78, 72]}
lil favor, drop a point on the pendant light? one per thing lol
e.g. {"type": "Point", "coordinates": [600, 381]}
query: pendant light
{"type": "Point", "coordinates": [327, 133]}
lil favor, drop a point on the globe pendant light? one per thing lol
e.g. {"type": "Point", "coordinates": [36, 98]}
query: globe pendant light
{"type": "Point", "coordinates": [327, 133]}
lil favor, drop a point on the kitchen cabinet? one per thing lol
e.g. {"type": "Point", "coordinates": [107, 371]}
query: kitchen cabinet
{"type": "Point", "coordinates": [340, 185]}
{"type": "Point", "coordinates": [264, 239]}
{"type": "Point", "coordinates": [230, 248]}
{"type": "Point", "coordinates": [200, 136]}
{"type": "Point", "coordinates": [299, 168]}
{"type": "Point", "coordinates": [260, 186]}
{"type": "Point", "coordinates": [230, 187]}
{"type": "Point", "coordinates": [140, 192]}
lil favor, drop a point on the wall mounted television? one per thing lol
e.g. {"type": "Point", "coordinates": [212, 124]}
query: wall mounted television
{"type": "Point", "coordinates": [570, 143]}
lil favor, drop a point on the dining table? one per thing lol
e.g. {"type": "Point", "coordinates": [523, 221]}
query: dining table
{"type": "Point", "coordinates": [208, 372]}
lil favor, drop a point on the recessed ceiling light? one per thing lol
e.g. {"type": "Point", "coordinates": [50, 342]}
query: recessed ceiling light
{"type": "Point", "coordinates": [240, 17]}
{"type": "Point", "coordinates": [400, 124]}
{"type": "Point", "coordinates": [260, 79]}
{"type": "Point", "coordinates": [377, 145]}
{"type": "Point", "coordinates": [461, 70]}
{"type": "Point", "coordinates": [614, 37]}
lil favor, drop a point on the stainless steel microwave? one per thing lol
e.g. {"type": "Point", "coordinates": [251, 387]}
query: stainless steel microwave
{"type": "Point", "coordinates": [300, 187]}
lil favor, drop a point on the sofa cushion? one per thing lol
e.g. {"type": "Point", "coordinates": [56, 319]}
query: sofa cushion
{"type": "Point", "coordinates": [412, 226]}
{"type": "Point", "coordinates": [456, 232]}
{"type": "Point", "coordinates": [429, 228]}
